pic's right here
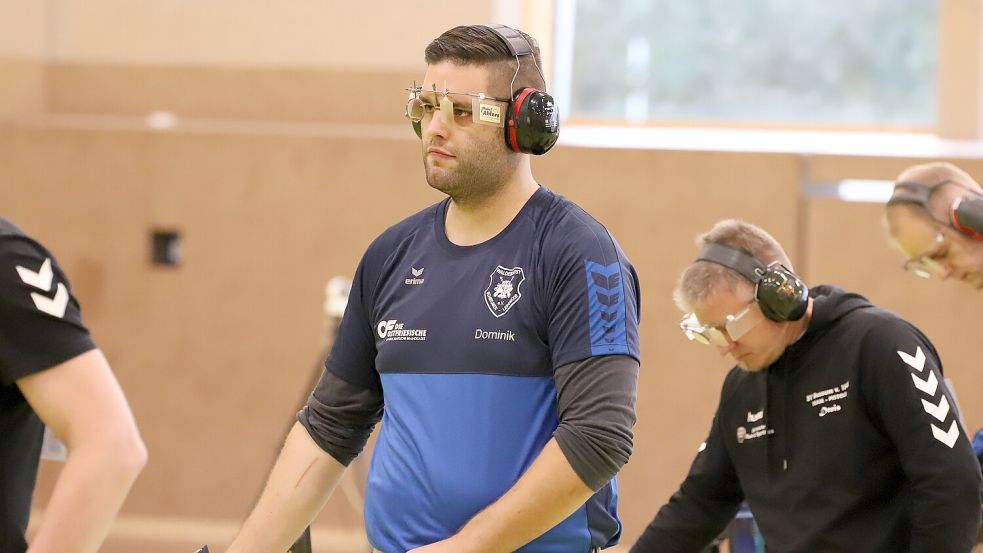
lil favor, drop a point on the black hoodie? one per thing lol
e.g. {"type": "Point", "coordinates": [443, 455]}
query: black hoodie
{"type": "Point", "coordinates": [849, 442]}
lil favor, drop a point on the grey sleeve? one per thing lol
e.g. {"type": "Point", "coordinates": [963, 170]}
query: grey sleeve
{"type": "Point", "coordinates": [340, 416]}
{"type": "Point", "coordinates": [595, 399]}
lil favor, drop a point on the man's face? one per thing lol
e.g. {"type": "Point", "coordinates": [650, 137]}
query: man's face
{"type": "Point", "coordinates": [461, 158]}
{"type": "Point", "coordinates": [918, 237]}
{"type": "Point", "coordinates": [760, 346]}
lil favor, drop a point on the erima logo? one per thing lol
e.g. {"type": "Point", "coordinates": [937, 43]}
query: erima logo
{"type": "Point", "coordinates": [393, 330]}
{"type": "Point", "coordinates": [416, 280]}
{"type": "Point", "coordinates": [42, 280]}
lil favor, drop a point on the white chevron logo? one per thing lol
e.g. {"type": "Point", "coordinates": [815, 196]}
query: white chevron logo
{"type": "Point", "coordinates": [755, 417]}
{"type": "Point", "coordinates": [940, 411]}
{"type": "Point", "coordinates": [929, 385]}
{"type": "Point", "coordinates": [948, 438]}
{"type": "Point", "coordinates": [55, 306]}
{"type": "Point", "coordinates": [917, 362]}
{"type": "Point", "coordinates": [41, 279]}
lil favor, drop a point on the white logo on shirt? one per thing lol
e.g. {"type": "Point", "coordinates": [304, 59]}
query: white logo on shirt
{"type": "Point", "coordinates": [393, 330]}
{"type": "Point", "coordinates": [755, 417]}
{"type": "Point", "coordinates": [503, 289]}
{"type": "Point", "coordinates": [42, 280]}
{"type": "Point", "coordinates": [940, 409]}
{"type": "Point", "coordinates": [416, 280]}
{"type": "Point", "coordinates": [758, 431]}
{"type": "Point", "coordinates": [824, 399]}
{"type": "Point", "coordinates": [505, 335]}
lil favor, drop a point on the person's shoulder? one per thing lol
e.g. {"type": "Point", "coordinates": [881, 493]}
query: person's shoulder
{"type": "Point", "coordinates": [564, 222]}
{"type": "Point", "coordinates": [558, 210]}
{"type": "Point", "coordinates": [736, 382]}
{"type": "Point", "coordinates": [9, 230]}
{"type": "Point", "coordinates": [403, 231]}
{"type": "Point", "coordinates": [884, 332]}
{"type": "Point", "coordinates": [15, 244]}
{"type": "Point", "coordinates": [878, 322]}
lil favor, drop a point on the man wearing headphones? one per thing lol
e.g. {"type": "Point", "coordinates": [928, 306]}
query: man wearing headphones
{"type": "Point", "coordinates": [52, 374]}
{"type": "Point", "coordinates": [495, 334]}
{"type": "Point", "coordinates": [935, 217]}
{"type": "Point", "coordinates": [835, 426]}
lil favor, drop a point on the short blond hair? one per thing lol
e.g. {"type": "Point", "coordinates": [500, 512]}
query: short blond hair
{"type": "Point", "coordinates": [702, 279]}
{"type": "Point", "coordinates": [934, 175]}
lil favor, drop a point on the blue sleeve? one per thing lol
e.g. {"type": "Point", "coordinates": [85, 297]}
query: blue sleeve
{"type": "Point", "coordinates": [593, 295]}
{"type": "Point", "coordinates": [353, 352]}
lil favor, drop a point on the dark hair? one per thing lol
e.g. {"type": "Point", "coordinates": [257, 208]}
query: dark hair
{"type": "Point", "coordinates": [479, 45]}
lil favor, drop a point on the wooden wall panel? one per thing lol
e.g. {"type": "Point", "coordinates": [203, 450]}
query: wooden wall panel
{"type": "Point", "coordinates": [22, 86]}
{"type": "Point", "coordinates": [283, 94]}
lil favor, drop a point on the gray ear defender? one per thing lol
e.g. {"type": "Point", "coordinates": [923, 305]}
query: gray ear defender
{"type": "Point", "coordinates": [780, 293]}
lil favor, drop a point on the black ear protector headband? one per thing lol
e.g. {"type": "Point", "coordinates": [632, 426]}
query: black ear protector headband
{"type": "Point", "coordinates": [965, 213]}
{"type": "Point", "coordinates": [532, 124]}
{"type": "Point", "coordinates": [779, 292]}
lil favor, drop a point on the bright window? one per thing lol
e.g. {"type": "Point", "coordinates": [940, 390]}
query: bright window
{"type": "Point", "coordinates": [846, 63]}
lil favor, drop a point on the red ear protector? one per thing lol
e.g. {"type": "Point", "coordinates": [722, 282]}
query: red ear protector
{"type": "Point", "coordinates": [532, 124]}
{"type": "Point", "coordinates": [965, 214]}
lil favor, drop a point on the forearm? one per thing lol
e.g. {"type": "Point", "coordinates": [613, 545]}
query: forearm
{"type": "Point", "coordinates": [544, 496]}
{"type": "Point", "coordinates": [298, 487]}
{"type": "Point", "coordinates": [89, 492]}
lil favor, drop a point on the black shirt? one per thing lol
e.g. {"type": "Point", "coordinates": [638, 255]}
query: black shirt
{"type": "Point", "coordinates": [40, 327]}
{"type": "Point", "coordinates": [849, 442]}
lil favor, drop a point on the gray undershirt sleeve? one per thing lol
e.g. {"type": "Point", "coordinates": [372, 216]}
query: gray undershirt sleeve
{"type": "Point", "coordinates": [340, 416]}
{"type": "Point", "coordinates": [596, 405]}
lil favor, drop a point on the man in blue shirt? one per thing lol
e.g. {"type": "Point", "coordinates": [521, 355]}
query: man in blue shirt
{"type": "Point", "coordinates": [494, 334]}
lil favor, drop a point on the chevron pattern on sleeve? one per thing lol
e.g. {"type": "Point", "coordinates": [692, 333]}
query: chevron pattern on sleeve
{"type": "Point", "coordinates": [606, 309]}
{"type": "Point", "coordinates": [42, 279]}
{"type": "Point", "coordinates": [937, 405]}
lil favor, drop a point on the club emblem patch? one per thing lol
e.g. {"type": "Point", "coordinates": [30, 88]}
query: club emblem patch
{"type": "Point", "coordinates": [503, 289]}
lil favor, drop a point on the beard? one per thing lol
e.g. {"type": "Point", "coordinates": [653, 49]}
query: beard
{"type": "Point", "coordinates": [478, 170]}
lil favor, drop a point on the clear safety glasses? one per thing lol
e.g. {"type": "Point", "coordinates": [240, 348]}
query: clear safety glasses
{"type": "Point", "coordinates": [736, 327]}
{"type": "Point", "coordinates": [460, 108]}
{"type": "Point", "coordinates": [927, 265]}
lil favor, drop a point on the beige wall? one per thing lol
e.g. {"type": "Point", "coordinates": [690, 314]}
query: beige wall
{"type": "Point", "coordinates": [312, 33]}
{"type": "Point", "coordinates": [22, 52]}
{"type": "Point", "coordinates": [23, 28]}
{"type": "Point", "coordinates": [960, 69]}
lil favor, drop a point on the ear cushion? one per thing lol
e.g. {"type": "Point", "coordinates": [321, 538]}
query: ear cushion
{"type": "Point", "coordinates": [967, 217]}
{"type": "Point", "coordinates": [532, 124]}
{"type": "Point", "coordinates": [781, 296]}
